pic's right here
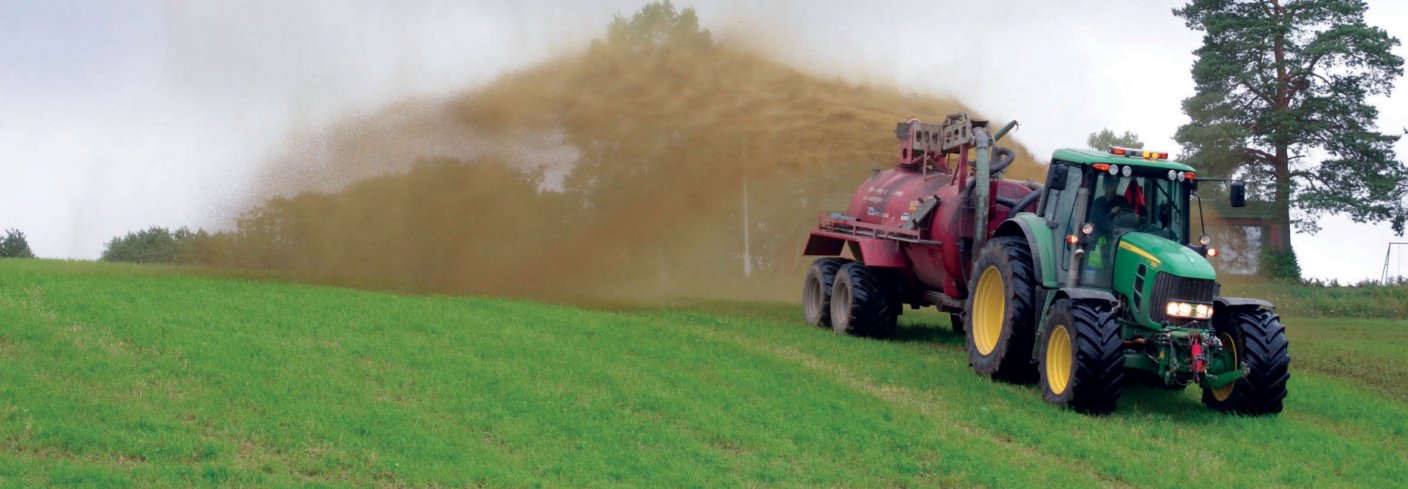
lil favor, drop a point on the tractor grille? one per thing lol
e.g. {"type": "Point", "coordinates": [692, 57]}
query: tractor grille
{"type": "Point", "coordinates": [1168, 287]}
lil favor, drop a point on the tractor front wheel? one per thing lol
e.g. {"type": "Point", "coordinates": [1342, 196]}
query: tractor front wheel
{"type": "Point", "coordinates": [999, 326]}
{"type": "Point", "coordinates": [1257, 339]}
{"type": "Point", "coordinates": [816, 290]}
{"type": "Point", "coordinates": [1082, 362]}
{"type": "Point", "coordinates": [863, 302]}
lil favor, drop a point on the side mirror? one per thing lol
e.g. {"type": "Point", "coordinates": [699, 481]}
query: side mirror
{"type": "Point", "coordinates": [1239, 194]}
{"type": "Point", "coordinates": [1059, 174]}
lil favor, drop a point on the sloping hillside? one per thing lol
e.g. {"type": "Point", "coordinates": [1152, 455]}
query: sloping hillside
{"type": "Point", "coordinates": [121, 375]}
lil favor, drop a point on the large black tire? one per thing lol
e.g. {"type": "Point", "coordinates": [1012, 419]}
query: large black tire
{"type": "Point", "coordinates": [1258, 340]}
{"type": "Point", "coordinates": [1082, 357]}
{"type": "Point", "coordinates": [1000, 329]}
{"type": "Point", "coordinates": [863, 302]}
{"type": "Point", "coordinates": [816, 290]}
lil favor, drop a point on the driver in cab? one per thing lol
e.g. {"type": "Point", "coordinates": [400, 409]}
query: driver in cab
{"type": "Point", "coordinates": [1109, 207]}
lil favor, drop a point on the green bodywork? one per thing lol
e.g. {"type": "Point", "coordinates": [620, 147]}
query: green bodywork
{"type": "Point", "coordinates": [1168, 257]}
{"type": "Point", "coordinates": [1045, 231]}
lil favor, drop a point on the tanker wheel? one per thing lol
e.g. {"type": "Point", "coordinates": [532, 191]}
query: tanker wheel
{"type": "Point", "coordinates": [1000, 329]}
{"type": "Point", "coordinates": [1082, 357]}
{"type": "Point", "coordinates": [863, 302]}
{"type": "Point", "coordinates": [1257, 340]}
{"type": "Point", "coordinates": [816, 290]}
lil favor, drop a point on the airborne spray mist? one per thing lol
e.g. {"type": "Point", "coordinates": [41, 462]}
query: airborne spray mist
{"type": "Point", "coordinates": [615, 174]}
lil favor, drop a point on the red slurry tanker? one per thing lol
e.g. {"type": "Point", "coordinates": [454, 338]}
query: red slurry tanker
{"type": "Point", "coordinates": [1073, 283]}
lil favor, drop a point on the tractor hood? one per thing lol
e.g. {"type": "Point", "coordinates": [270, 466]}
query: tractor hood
{"type": "Point", "coordinates": [1163, 255]}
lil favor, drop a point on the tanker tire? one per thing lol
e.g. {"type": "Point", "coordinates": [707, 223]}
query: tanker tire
{"type": "Point", "coordinates": [1009, 346]}
{"type": "Point", "coordinates": [816, 290]}
{"type": "Point", "coordinates": [1082, 357]}
{"type": "Point", "coordinates": [1260, 344]}
{"type": "Point", "coordinates": [863, 302]}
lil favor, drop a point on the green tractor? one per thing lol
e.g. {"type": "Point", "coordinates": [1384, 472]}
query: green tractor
{"type": "Point", "coordinates": [1105, 281]}
{"type": "Point", "coordinates": [1078, 284]}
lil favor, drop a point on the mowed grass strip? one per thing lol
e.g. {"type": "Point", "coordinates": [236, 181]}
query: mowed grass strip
{"type": "Point", "coordinates": [119, 375]}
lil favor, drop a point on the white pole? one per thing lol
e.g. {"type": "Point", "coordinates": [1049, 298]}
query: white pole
{"type": "Point", "coordinates": [747, 256]}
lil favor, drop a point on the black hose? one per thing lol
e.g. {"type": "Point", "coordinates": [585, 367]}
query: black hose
{"type": "Point", "coordinates": [1001, 158]}
{"type": "Point", "coordinates": [1026, 201]}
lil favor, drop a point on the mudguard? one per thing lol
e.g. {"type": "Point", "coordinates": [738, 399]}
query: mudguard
{"type": "Point", "coordinates": [882, 253]}
{"type": "Point", "coordinates": [819, 244]}
{"type": "Point", "coordinates": [1034, 230]}
{"type": "Point", "coordinates": [874, 252]}
{"type": "Point", "coordinates": [1221, 302]}
{"type": "Point", "coordinates": [1084, 294]}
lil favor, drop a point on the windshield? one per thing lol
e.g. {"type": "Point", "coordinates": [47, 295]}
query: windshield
{"type": "Point", "coordinates": [1143, 202]}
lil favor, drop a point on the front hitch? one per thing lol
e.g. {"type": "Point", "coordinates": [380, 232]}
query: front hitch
{"type": "Point", "coordinates": [1223, 379]}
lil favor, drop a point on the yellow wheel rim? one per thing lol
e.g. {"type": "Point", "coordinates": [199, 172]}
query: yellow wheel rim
{"type": "Point", "coordinates": [1058, 360]}
{"type": "Point", "coordinates": [989, 308]}
{"type": "Point", "coordinates": [1222, 394]}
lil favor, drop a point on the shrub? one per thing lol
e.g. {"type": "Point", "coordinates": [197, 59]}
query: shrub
{"type": "Point", "coordinates": [14, 245]}
{"type": "Point", "coordinates": [1280, 265]}
{"type": "Point", "coordinates": [157, 245]}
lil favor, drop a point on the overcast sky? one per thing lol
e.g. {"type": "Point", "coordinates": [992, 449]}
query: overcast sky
{"type": "Point", "coordinates": [118, 115]}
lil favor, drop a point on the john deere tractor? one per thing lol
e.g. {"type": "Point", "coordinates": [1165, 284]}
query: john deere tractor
{"type": "Point", "coordinates": [1106, 280]}
{"type": "Point", "coordinates": [1080, 284]}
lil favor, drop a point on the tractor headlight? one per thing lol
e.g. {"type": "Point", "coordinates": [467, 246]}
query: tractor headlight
{"type": "Point", "coordinates": [1188, 310]}
{"type": "Point", "coordinates": [1205, 240]}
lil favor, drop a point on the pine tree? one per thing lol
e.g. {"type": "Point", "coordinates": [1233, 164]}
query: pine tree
{"type": "Point", "coordinates": [1281, 101]}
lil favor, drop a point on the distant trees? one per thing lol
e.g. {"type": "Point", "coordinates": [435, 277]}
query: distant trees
{"type": "Point", "coordinates": [14, 245]}
{"type": "Point", "coordinates": [1106, 138]}
{"type": "Point", "coordinates": [657, 25]}
{"type": "Point", "coordinates": [158, 245]}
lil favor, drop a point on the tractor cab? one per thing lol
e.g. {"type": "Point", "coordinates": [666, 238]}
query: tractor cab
{"type": "Point", "coordinates": [1117, 193]}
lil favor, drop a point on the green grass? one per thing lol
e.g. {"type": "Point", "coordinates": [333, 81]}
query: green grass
{"type": "Point", "coordinates": [1364, 301]}
{"type": "Point", "coordinates": [118, 375]}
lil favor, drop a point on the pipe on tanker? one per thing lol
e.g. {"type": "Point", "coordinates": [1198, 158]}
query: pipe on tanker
{"type": "Point", "coordinates": [982, 171]}
{"type": "Point", "coordinates": [1003, 132]}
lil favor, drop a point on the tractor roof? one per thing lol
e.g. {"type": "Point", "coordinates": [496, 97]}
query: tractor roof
{"type": "Point", "coordinates": [1089, 156]}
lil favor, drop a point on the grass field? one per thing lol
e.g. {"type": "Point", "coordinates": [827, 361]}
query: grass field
{"type": "Point", "coordinates": [145, 376]}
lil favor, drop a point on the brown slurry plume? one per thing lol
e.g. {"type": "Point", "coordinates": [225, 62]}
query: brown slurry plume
{"type": "Point", "coordinates": [615, 174]}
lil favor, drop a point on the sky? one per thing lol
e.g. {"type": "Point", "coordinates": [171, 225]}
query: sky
{"type": "Point", "coordinates": [119, 115]}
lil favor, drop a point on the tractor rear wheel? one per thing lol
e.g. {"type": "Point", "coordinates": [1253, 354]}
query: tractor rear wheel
{"type": "Point", "coordinates": [1000, 329]}
{"type": "Point", "coordinates": [816, 290]}
{"type": "Point", "coordinates": [1257, 340]}
{"type": "Point", "coordinates": [1082, 358]}
{"type": "Point", "coordinates": [863, 302]}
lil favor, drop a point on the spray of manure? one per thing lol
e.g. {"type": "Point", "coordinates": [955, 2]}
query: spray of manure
{"type": "Point", "coordinates": [616, 174]}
